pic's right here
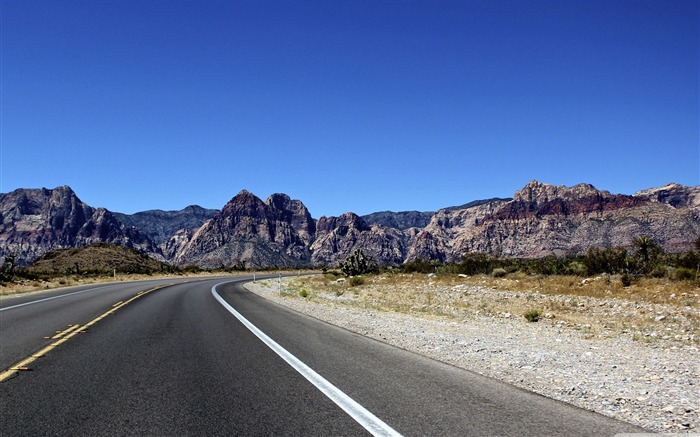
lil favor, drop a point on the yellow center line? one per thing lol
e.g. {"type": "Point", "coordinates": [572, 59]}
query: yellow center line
{"type": "Point", "coordinates": [60, 334]}
{"type": "Point", "coordinates": [64, 336]}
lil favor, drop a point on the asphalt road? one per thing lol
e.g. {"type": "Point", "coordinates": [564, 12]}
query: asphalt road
{"type": "Point", "coordinates": [176, 361]}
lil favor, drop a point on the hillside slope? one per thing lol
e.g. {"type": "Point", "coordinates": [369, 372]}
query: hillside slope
{"type": "Point", "coordinates": [96, 258]}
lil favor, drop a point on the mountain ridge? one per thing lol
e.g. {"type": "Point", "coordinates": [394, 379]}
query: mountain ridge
{"type": "Point", "coordinates": [540, 219]}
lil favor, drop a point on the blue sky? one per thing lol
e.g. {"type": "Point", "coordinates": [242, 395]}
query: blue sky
{"type": "Point", "coordinates": [346, 105]}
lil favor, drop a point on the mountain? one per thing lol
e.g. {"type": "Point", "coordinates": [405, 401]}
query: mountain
{"type": "Point", "coordinates": [676, 195]}
{"type": "Point", "coordinates": [160, 226]}
{"type": "Point", "coordinates": [100, 258]}
{"type": "Point", "coordinates": [250, 232]}
{"type": "Point", "coordinates": [540, 219]}
{"type": "Point", "coordinates": [337, 237]}
{"type": "Point", "coordinates": [36, 221]}
{"type": "Point", "coordinates": [399, 220]}
{"type": "Point", "coordinates": [544, 219]}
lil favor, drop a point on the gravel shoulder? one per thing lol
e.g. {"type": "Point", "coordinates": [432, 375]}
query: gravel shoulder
{"type": "Point", "coordinates": [650, 379]}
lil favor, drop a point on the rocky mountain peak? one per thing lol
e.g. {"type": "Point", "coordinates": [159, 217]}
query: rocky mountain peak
{"type": "Point", "coordinates": [254, 233]}
{"type": "Point", "coordinates": [346, 222]}
{"type": "Point", "coordinates": [279, 201]}
{"type": "Point", "coordinates": [337, 237]}
{"type": "Point", "coordinates": [244, 202]}
{"type": "Point", "coordinates": [541, 219]}
{"type": "Point", "coordinates": [35, 221]}
{"type": "Point", "coordinates": [403, 220]}
{"type": "Point", "coordinates": [161, 225]}
{"type": "Point", "coordinates": [544, 219]}
{"type": "Point", "coordinates": [535, 192]}
{"type": "Point", "coordinates": [673, 194]}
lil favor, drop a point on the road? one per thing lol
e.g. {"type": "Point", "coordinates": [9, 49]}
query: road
{"type": "Point", "coordinates": [177, 361]}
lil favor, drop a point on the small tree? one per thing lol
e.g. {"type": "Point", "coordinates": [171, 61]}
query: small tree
{"type": "Point", "coordinates": [476, 263]}
{"type": "Point", "coordinates": [648, 252]}
{"type": "Point", "coordinates": [610, 260]}
{"type": "Point", "coordinates": [358, 263]}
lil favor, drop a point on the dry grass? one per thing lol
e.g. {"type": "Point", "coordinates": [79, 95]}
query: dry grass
{"type": "Point", "coordinates": [649, 310]}
{"type": "Point", "coordinates": [29, 286]}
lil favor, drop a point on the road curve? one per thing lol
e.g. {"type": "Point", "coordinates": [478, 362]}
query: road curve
{"type": "Point", "coordinates": [175, 361]}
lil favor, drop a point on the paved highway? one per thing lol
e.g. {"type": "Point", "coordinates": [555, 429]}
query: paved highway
{"type": "Point", "coordinates": [179, 358]}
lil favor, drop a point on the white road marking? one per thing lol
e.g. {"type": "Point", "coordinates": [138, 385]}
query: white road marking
{"type": "Point", "coordinates": [54, 297]}
{"type": "Point", "coordinates": [361, 415]}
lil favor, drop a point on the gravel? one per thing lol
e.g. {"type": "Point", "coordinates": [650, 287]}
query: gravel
{"type": "Point", "coordinates": [655, 385]}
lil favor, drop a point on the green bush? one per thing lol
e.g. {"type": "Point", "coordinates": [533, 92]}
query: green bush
{"type": "Point", "coordinates": [356, 281]}
{"type": "Point", "coordinates": [684, 274]}
{"type": "Point", "coordinates": [358, 263]}
{"type": "Point", "coordinates": [476, 263]}
{"type": "Point", "coordinates": [689, 260]}
{"type": "Point", "coordinates": [658, 272]}
{"type": "Point", "coordinates": [303, 293]}
{"type": "Point", "coordinates": [547, 266]}
{"type": "Point", "coordinates": [533, 315]}
{"type": "Point", "coordinates": [419, 266]}
{"type": "Point", "coordinates": [647, 255]}
{"type": "Point", "coordinates": [610, 260]}
{"type": "Point", "coordinates": [577, 268]}
{"type": "Point", "coordinates": [626, 279]}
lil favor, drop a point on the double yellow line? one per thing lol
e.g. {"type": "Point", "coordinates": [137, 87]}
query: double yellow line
{"type": "Point", "coordinates": [65, 335]}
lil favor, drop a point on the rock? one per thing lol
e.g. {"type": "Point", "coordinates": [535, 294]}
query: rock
{"type": "Point", "coordinates": [36, 221]}
{"type": "Point", "coordinates": [539, 220]}
{"type": "Point", "coordinates": [337, 237]}
{"type": "Point", "coordinates": [253, 233]}
{"type": "Point", "coordinates": [161, 226]}
{"type": "Point", "coordinates": [544, 219]}
{"type": "Point", "coordinates": [399, 220]}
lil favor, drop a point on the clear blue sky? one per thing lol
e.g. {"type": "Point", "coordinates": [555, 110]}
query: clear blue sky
{"type": "Point", "coordinates": [346, 105]}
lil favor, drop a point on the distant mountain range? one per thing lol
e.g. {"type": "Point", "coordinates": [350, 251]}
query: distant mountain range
{"type": "Point", "coordinates": [539, 220]}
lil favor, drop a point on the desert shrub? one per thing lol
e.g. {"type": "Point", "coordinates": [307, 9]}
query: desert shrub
{"type": "Point", "coordinates": [626, 279]}
{"type": "Point", "coordinates": [660, 271]}
{"type": "Point", "coordinates": [577, 268]}
{"type": "Point", "coordinates": [475, 263]}
{"type": "Point", "coordinates": [499, 273]}
{"type": "Point", "coordinates": [358, 263]}
{"type": "Point", "coordinates": [532, 315]}
{"type": "Point", "coordinates": [547, 266]}
{"type": "Point", "coordinates": [689, 260]}
{"type": "Point", "coordinates": [333, 274]}
{"type": "Point", "coordinates": [684, 274]}
{"type": "Point", "coordinates": [647, 255]}
{"type": "Point", "coordinates": [611, 260]}
{"type": "Point", "coordinates": [356, 281]}
{"type": "Point", "coordinates": [419, 265]}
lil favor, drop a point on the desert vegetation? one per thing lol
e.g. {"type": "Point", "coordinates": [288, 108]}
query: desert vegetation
{"type": "Point", "coordinates": [646, 259]}
{"type": "Point", "coordinates": [89, 264]}
{"type": "Point", "coordinates": [643, 293]}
